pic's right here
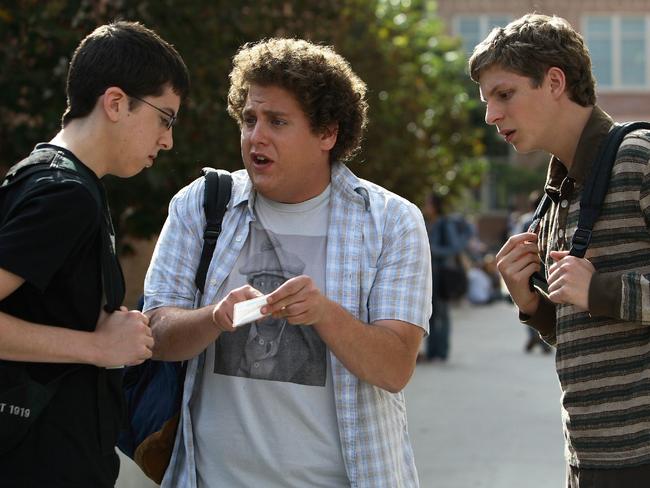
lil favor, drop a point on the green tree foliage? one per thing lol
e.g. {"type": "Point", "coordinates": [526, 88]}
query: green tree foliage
{"type": "Point", "coordinates": [421, 133]}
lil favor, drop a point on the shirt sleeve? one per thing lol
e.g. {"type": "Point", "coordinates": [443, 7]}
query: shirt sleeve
{"type": "Point", "coordinates": [402, 285]}
{"type": "Point", "coordinates": [627, 296]}
{"type": "Point", "coordinates": [45, 227]}
{"type": "Point", "coordinates": [543, 320]}
{"type": "Point", "coordinates": [170, 278]}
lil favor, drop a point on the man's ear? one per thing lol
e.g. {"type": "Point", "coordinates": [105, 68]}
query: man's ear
{"type": "Point", "coordinates": [328, 137]}
{"type": "Point", "coordinates": [115, 103]}
{"type": "Point", "coordinates": [556, 80]}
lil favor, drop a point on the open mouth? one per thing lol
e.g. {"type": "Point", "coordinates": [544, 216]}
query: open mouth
{"type": "Point", "coordinates": [260, 160]}
{"type": "Point", "coordinates": [507, 134]}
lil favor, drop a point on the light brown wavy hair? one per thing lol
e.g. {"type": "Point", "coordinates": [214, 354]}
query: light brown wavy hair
{"type": "Point", "coordinates": [322, 81]}
{"type": "Point", "coordinates": [532, 44]}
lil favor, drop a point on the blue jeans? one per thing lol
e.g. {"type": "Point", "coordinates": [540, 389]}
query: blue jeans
{"type": "Point", "coordinates": [439, 325]}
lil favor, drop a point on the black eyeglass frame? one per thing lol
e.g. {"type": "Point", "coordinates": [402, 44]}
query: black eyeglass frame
{"type": "Point", "coordinates": [172, 116]}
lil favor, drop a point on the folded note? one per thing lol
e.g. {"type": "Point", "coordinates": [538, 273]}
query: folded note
{"type": "Point", "coordinates": [248, 311]}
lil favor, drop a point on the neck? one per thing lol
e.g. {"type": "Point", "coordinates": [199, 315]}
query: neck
{"type": "Point", "coordinates": [566, 133]}
{"type": "Point", "coordinates": [80, 136]}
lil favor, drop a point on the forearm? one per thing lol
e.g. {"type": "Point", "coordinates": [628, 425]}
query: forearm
{"type": "Point", "coordinates": [27, 341]}
{"type": "Point", "coordinates": [382, 354]}
{"type": "Point", "coordinates": [181, 334]}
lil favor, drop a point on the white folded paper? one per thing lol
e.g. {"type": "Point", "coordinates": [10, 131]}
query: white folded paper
{"type": "Point", "coordinates": [248, 311]}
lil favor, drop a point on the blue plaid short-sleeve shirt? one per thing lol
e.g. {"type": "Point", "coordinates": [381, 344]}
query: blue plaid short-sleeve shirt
{"type": "Point", "coordinates": [378, 268]}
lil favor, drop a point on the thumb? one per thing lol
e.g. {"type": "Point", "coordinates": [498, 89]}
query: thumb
{"type": "Point", "coordinates": [558, 255]}
{"type": "Point", "coordinates": [253, 292]}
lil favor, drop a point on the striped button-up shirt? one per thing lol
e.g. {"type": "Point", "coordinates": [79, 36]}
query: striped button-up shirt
{"type": "Point", "coordinates": [377, 267]}
{"type": "Point", "coordinates": [603, 357]}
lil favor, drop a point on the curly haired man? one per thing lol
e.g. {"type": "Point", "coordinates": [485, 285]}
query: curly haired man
{"type": "Point", "coordinates": [345, 268]}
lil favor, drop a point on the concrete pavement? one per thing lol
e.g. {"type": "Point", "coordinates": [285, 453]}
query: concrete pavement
{"type": "Point", "coordinates": [487, 418]}
{"type": "Point", "coordinates": [490, 416]}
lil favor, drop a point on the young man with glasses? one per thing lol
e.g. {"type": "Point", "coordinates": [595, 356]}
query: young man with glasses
{"type": "Point", "coordinates": [125, 86]}
{"type": "Point", "coordinates": [535, 78]}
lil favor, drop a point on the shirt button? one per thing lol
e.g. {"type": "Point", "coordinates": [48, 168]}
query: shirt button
{"type": "Point", "coordinates": [564, 203]}
{"type": "Point", "coordinates": [238, 238]}
{"type": "Point", "coordinates": [213, 282]}
{"type": "Point", "coordinates": [261, 342]}
{"type": "Point", "coordinates": [256, 365]}
{"type": "Point", "coordinates": [560, 233]}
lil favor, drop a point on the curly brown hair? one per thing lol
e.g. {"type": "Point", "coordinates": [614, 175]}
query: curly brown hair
{"type": "Point", "coordinates": [322, 81]}
{"type": "Point", "coordinates": [532, 44]}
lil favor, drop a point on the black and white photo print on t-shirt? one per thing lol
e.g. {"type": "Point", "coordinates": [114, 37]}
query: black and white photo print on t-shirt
{"type": "Point", "coordinates": [269, 348]}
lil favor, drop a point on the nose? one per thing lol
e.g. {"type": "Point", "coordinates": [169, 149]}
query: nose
{"type": "Point", "coordinates": [257, 133]}
{"type": "Point", "coordinates": [492, 114]}
{"type": "Point", "coordinates": [166, 140]}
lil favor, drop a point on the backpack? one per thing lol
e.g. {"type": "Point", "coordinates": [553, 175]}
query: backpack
{"type": "Point", "coordinates": [591, 200]}
{"type": "Point", "coordinates": [154, 389]}
{"type": "Point", "coordinates": [23, 399]}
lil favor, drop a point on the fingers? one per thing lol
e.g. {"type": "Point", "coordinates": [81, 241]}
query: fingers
{"type": "Point", "coordinates": [558, 255]}
{"type": "Point", "coordinates": [295, 313]}
{"type": "Point", "coordinates": [285, 294]}
{"type": "Point", "coordinates": [222, 312]}
{"type": "Point", "coordinates": [516, 241]}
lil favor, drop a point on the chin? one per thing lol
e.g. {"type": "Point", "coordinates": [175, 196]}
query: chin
{"type": "Point", "coordinates": [522, 149]}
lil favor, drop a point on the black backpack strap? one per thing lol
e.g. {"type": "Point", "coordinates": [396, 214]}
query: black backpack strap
{"type": "Point", "coordinates": [596, 185]}
{"type": "Point", "coordinates": [216, 195]}
{"type": "Point", "coordinates": [47, 159]}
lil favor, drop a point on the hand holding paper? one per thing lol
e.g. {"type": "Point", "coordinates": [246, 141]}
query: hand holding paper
{"type": "Point", "coordinates": [248, 311]}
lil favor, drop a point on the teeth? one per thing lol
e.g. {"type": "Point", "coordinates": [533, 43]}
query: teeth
{"type": "Point", "coordinates": [260, 159]}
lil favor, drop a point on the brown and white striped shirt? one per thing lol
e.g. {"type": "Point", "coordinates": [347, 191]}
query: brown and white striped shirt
{"type": "Point", "coordinates": [603, 357]}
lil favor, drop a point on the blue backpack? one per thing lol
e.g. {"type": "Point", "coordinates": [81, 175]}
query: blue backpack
{"type": "Point", "coordinates": [154, 389]}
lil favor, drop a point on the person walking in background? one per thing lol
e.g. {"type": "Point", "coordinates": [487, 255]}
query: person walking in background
{"type": "Point", "coordinates": [310, 394]}
{"type": "Point", "coordinates": [125, 85]}
{"type": "Point", "coordinates": [535, 77]}
{"type": "Point", "coordinates": [448, 237]}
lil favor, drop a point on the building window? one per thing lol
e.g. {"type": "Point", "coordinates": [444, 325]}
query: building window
{"type": "Point", "coordinates": [472, 29]}
{"type": "Point", "coordinates": [618, 45]}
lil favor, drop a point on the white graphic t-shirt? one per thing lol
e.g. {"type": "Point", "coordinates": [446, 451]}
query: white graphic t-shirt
{"type": "Point", "coordinates": [264, 414]}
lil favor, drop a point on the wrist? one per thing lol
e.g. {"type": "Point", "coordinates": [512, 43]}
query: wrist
{"type": "Point", "coordinates": [92, 351]}
{"type": "Point", "coordinates": [214, 321]}
{"type": "Point", "coordinates": [530, 307]}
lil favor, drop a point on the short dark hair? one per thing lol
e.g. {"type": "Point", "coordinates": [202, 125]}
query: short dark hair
{"type": "Point", "coordinates": [532, 44]}
{"type": "Point", "coordinates": [322, 81]}
{"type": "Point", "coordinates": [127, 55]}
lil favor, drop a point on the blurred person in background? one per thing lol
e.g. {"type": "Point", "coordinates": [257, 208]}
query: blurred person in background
{"type": "Point", "coordinates": [448, 238]}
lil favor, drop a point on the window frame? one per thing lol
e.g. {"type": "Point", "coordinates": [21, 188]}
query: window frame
{"type": "Point", "coordinates": [616, 41]}
{"type": "Point", "coordinates": [483, 23]}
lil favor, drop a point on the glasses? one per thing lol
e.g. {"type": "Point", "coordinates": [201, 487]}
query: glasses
{"type": "Point", "coordinates": [171, 118]}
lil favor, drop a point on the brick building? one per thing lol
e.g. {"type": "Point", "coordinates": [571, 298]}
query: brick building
{"type": "Point", "coordinates": [617, 34]}
{"type": "Point", "coordinates": [618, 37]}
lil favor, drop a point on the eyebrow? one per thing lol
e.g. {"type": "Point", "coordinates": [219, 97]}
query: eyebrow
{"type": "Point", "coordinates": [170, 111]}
{"type": "Point", "coordinates": [495, 88]}
{"type": "Point", "coordinates": [268, 112]}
